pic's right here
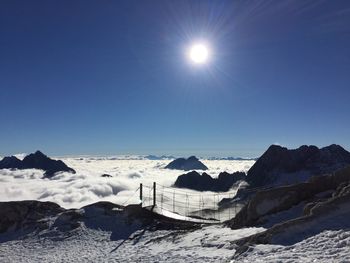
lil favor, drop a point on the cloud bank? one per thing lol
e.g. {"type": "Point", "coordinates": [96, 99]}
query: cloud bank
{"type": "Point", "coordinates": [87, 186]}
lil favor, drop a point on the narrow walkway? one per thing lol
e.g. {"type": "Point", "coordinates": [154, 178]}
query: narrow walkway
{"type": "Point", "coordinates": [178, 217]}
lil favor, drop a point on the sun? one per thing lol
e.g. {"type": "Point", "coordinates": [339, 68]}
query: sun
{"type": "Point", "coordinates": [199, 53]}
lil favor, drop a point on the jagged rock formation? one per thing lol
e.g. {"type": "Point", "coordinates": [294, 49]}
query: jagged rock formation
{"type": "Point", "coordinates": [36, 160]}
{"type": "Point", "coordinates": [331, 214]}
{"type": "Point", "coordinates": [282, 198]}
{"type": "Point", "coordinates": [192, 163]}
{"type": "Point", "coordinates": [195, 181]}
{"type": "Point", "coordinates": [280, 166]}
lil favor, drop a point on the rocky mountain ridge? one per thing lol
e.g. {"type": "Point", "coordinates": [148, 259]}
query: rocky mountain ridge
{"type": "Point", "coordinates": [36, 160]}
{"type": "Point", "coordinates": [204, 182]}
{"type": "Point", "coordinates": [279, 165]}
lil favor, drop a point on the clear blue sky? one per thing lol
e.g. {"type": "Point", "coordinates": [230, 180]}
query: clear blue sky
{"type": "Point", "coordinates": [112, 77]}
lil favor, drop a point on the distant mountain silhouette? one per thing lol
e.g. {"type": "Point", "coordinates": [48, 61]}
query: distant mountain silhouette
{"type": "Point", "coordinates": [11, 162]}
{"type": "Point", "coordinates": [192, 163]}
{"type": "Point", "coordinates": [36, 160]}
{"type": "Point", "coordinates": [195, 181]}
{"type": "Point", "coordinates": [279, 165]}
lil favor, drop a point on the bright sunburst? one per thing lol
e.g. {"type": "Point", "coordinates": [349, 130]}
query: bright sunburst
{"type": "Point", "coordinates": [199, 53]}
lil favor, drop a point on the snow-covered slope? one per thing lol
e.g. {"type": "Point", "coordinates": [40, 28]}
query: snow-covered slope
{"type": "Point", "coordinates": [211, 244]}
{"type": "Point", "coordinates": [327, 246]}
{"type": "Point", "coordinates": [104, 232]}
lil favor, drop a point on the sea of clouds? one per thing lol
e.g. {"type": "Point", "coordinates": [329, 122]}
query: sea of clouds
{"type": "Point", "coordinates": [87, 186]}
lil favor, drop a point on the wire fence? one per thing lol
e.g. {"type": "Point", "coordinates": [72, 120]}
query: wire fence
{"type": "Point", "coordinates": [189, 204]}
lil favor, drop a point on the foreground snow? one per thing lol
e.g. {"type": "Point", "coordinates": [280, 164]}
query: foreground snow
{"type": "Point", "coordinates": [210, 244]}
{"type": "Point", "coordinates": [328, 246]}
{"type": "Point", "coordinates": [104, 232]}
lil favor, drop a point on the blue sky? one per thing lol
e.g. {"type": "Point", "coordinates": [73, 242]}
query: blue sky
{"type": "Point", "coordinates": [112, 77]}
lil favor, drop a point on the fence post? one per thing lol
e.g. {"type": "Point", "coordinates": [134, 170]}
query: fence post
{"type": "Point", "coordinates": [154, 194]}
{"type": "Point", "coordinates": [214, 208]}
{"type": "Point", "coordinates": [218, 207]}
{"type": "Point", "coordinates": [187, 203]}
{"type": "Point", "coordinates": [229, 206]}
{"type": "Point", "coordinates": [141, 193]}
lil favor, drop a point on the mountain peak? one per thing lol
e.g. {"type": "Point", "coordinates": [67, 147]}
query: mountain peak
{"type": "Point", "coordinates": [192, 163]}
{"type": "Point", "coordinates": [39, 154]}
{"type": "Point", "coordinates": [36, 160]}
{"type": "Point", "coordinates": [279, 165]}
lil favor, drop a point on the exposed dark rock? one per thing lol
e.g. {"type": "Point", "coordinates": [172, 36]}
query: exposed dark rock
{"type": "Point", "coordinates": [192, 163]}
{"type": "Point", "coordinates": [278, 165]}
{"type": "Point", "coordinates": [22, 214]}
{"type": "Point", "coordinates": [282, 198]}
{"type": "Point", "coordinates": [39, 160]}
{"type": "Point", "coordinates": [194, 180]}
{"type": "Point", "coordinates": [106, 175]}
{"type": "Point", "coordinates": [11, 162]}
{"type": "Point", "coordinates": [36, 160]}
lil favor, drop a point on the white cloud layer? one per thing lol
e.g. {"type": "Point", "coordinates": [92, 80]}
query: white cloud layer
{"type": "Point", "coordinates": [87, 186]}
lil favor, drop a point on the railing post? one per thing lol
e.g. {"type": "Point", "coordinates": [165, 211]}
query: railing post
{"type": "Point", "coordinates": [154, 194]}
{"type": "Point", "coordinates": [141, 193]}
{"type": "Point", "coordinates": [229, 207]}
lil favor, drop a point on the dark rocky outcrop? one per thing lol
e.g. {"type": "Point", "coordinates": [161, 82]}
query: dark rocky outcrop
{"type": "Point", "coordinates": [282, 198]}
{"type": "Point", "coordinates": [36, 160]}
{"type": "Point", "coordinates": [11, 162]}
{"type": "Point", "coordinates": [195, 181]}
{"type": "Point", "coordinates": [192, 163]}
{"type": "Point", "coordinates": [279, 165]}
{"type": "Point", "coordinates": [23, 214]}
